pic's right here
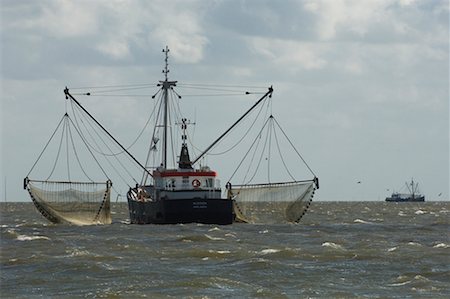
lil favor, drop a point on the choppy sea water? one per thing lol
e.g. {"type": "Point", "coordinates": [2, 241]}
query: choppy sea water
{"type": "Point", "coordinates": [340, 249]}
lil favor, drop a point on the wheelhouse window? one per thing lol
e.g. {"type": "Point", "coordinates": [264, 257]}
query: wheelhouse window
{"type": "Point", "coordinates": [209, 183]}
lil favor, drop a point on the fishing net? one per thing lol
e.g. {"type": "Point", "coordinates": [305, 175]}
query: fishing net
{"type": "Point", "coordinates": [79, 203]}
{"type": "Point", "coordinates": [272, 203]}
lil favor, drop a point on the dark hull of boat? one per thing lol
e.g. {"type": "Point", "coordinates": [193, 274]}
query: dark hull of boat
{"type": "Point", "coordinates": [174, 211]}
{"type": "Point", "coordinates": [416, 199]}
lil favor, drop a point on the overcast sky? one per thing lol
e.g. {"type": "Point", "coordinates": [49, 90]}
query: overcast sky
{"type": "Point", "coordinates": [361, 87]}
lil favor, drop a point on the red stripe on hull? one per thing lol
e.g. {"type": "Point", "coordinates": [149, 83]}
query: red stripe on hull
{"type": "Point", "coordinates": [181, 174]}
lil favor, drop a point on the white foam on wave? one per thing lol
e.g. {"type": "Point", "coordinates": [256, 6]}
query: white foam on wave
{"type": "Point", "coordinates": [420, 278]}
{"type": "Point", "coordinates": [269, 251]}
{"type": "Point", "coordinates": [400, 283]}
{"type": "Point", "coordinates": [31, 238]}
{"type": "Point", "coordinates": [401, 213]}
{"type": "Point", "coordinates": [420, 212]}
{"type": "Point", "coordinates": [414, 243]}
{"type": "Point", "coordinates": [107, 266]}
{"type": "Point", "coordinates": [392, 249]}
{"type": "Point", "coordinates": [214, 238]}
{"type": "Point", "coordinates": [404, 280]}
{"type": "Point", "coordinates": [76, 252]}
{"type": "Point", "coordinates": [214, 229]}
{"type": "Point", "coordinates": [333, 245]}
{"type": "Point", "coordinates": [441, 245]}
{"type": "Point", "coordinates": [362, 221]}
{"type": "Point", "coordinates": [220, 251]}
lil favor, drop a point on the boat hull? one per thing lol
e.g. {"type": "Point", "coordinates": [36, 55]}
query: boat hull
{"type": "Point", "coordinates": [175, 211]}
{"type": "Point", "coordinates": [416, 199]}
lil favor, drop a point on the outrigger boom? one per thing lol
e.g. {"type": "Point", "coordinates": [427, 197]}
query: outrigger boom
{"type": "Point", "coordinates": [68, 95]}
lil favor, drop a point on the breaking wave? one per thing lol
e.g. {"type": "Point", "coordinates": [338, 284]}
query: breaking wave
{"type": "Point", "coordinates": [333, 245]}
{"type": "Point", "coordinates": [31, 238]}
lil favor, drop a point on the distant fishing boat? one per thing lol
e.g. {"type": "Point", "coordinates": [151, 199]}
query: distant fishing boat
{"type": "Point", "coordinates": [413, 195]}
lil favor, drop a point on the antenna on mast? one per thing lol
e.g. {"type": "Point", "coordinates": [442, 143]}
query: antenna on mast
{"type": "Point", "coordinates": [166, 68]}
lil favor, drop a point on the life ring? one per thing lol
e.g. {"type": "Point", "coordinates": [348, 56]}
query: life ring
{"type": "Point", "coordinates": [196, 183]}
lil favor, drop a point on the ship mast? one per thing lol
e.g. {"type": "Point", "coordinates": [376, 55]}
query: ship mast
{"type": "Point", "coordinates": [166, 85]}
{"type": "Point", "coordinates": [414, 188]}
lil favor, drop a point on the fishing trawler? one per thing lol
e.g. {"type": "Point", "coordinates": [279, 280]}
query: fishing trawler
{"type": "Point", "coordinates": [414, 194]}
{"type": "Point", "coordinates": [175, 188]}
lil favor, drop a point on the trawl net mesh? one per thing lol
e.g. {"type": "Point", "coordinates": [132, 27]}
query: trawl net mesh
{"type": "Point", "coordinates": [272, 203]}
{"type": "Point", "coordinates": [76, 203]}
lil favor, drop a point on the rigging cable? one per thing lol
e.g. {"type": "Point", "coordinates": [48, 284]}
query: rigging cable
{"type": "Point", "coordinates": [95, 159]}
{"type": "Point", "coordinates": [240, 140]}
{"type": "Point", "coordinates": [253, 157]}
{"type": "Point", "coordinates": [227, 92]}
{"type": "Point", "coordinates": [117, 89]}
{"type": "Point", "coordinates": [97, 150]}
{"type": "Point", "coordinates": [153, 142]}
{"type": "Point", "coordinates": [281, 156]}
{"type": "Point", "coordinates": [257, 138]}
{"type": "Point", "coordinates": [76, 154]}
{"type": "Point", "coordinates": [246, 133]}
{"type": "Point", "coordinates": [45, 147]}
{"type": "Point", "coordinates": [119, 162]}
{"type": "Point", "coordinates": [180, 116]}
{"type": "Point", "coordinates": [135, 140]}
{"type": "Point", "coordinates": [221, 85]}
{"type": "Point", "coordinates": [170, 120]}
{"type": "Point", "coordinates": [88, 148]}
{"type": "Point", "coordinates": [270, 147]}
{"type": "Point", "coordinates": [67, 150]}
{"type": "Point", "coordinates": [59, 151]}
{"type": "Point", "coordinates": [140, 133]}
{"type": "Point", "coordinates": [149, 95]}
{"type": "Point", "coordinates": [260, 158]}
{"type": "Point", "coordinates": [106, 89]}
{"type": "Point", "coordinates": [294, 148]}
{"type": "Point", "coordinates": [214, 89]}
{"type": "Point", "coordinates": [113, 95]}
{"type": "Point", "coordinates": [113, 86]}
